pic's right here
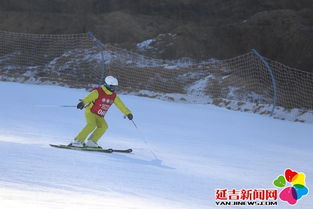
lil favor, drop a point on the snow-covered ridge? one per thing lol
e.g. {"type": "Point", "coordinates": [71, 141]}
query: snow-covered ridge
{"type": "Point", "coordinates": [206, 82]}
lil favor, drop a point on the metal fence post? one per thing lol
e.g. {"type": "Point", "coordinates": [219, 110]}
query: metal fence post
{"type": "Point", "coordinates": [270, 71]}
{"type": "Point", "coordinates": [103, 69]}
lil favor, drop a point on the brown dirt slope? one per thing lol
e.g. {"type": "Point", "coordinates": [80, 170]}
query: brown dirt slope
{"type": "Point", "coordinates": [281, 30]}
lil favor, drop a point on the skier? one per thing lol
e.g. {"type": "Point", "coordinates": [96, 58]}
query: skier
{"type": "Point", "coordinates": [96, 104]}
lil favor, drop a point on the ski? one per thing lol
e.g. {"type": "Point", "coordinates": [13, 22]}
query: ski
{"type": "Point", "coordinates": [91, 149]}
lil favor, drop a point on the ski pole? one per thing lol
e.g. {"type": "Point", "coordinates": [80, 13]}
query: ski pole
{"type": "Point", "coordinates": [144, 139]}
{"type": "Point", "coordinates": [134, 124]}
{"type": "Point", "coordinates": [48, 105]}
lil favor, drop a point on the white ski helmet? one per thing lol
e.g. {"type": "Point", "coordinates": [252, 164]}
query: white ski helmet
{"type": "Point", "coordinates": [111, 81]}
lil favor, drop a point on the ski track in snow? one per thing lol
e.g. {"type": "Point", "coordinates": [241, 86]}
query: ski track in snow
{"type": "Point", "coordinates": [199, 148]}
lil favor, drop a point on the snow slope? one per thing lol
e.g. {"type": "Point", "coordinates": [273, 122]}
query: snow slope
{"type": "Point", "coordinates": [198, 149]}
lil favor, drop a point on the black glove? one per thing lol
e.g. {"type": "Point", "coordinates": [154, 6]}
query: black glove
{"type": "Point", "coordinates": [80, 105]}
{"type": "Point", "coordinates": [130, 116]}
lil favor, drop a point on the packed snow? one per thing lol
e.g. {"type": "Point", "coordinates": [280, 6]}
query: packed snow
{"type": "Point", "coordinates": [182, 153]}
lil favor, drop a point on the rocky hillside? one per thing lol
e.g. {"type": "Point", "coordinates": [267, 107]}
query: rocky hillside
{"type": "Point", "coordinates": [281, 30]}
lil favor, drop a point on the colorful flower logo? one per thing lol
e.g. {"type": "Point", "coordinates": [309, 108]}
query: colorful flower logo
{"type": "Point", "coordinates": [292, 193]}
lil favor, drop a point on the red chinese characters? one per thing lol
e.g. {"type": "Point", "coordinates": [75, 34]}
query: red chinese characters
{"type": "Point", "coordinates": [246, 194]}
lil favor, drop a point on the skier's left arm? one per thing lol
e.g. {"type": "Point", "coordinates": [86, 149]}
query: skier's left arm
{"type": "Point", "coordinates": [120, 105]}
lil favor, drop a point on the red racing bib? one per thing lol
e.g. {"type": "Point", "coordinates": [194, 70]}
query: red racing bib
{"type": "Point", "coordinates": [103, 103]}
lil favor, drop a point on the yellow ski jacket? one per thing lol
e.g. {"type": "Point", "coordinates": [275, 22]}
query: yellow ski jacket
{"type": "Point", "coordinates": [92, 96]}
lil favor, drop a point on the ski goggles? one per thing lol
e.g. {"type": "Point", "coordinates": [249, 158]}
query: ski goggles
{"type": "Point", "coordinates": [111, 88]}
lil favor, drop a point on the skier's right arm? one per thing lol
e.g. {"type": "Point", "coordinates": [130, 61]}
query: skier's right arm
{"type": "Point", "coordinates": [92, 96]}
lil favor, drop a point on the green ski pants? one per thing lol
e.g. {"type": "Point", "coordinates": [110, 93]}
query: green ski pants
{"type": "Point", "coordinates": [96, 126]}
